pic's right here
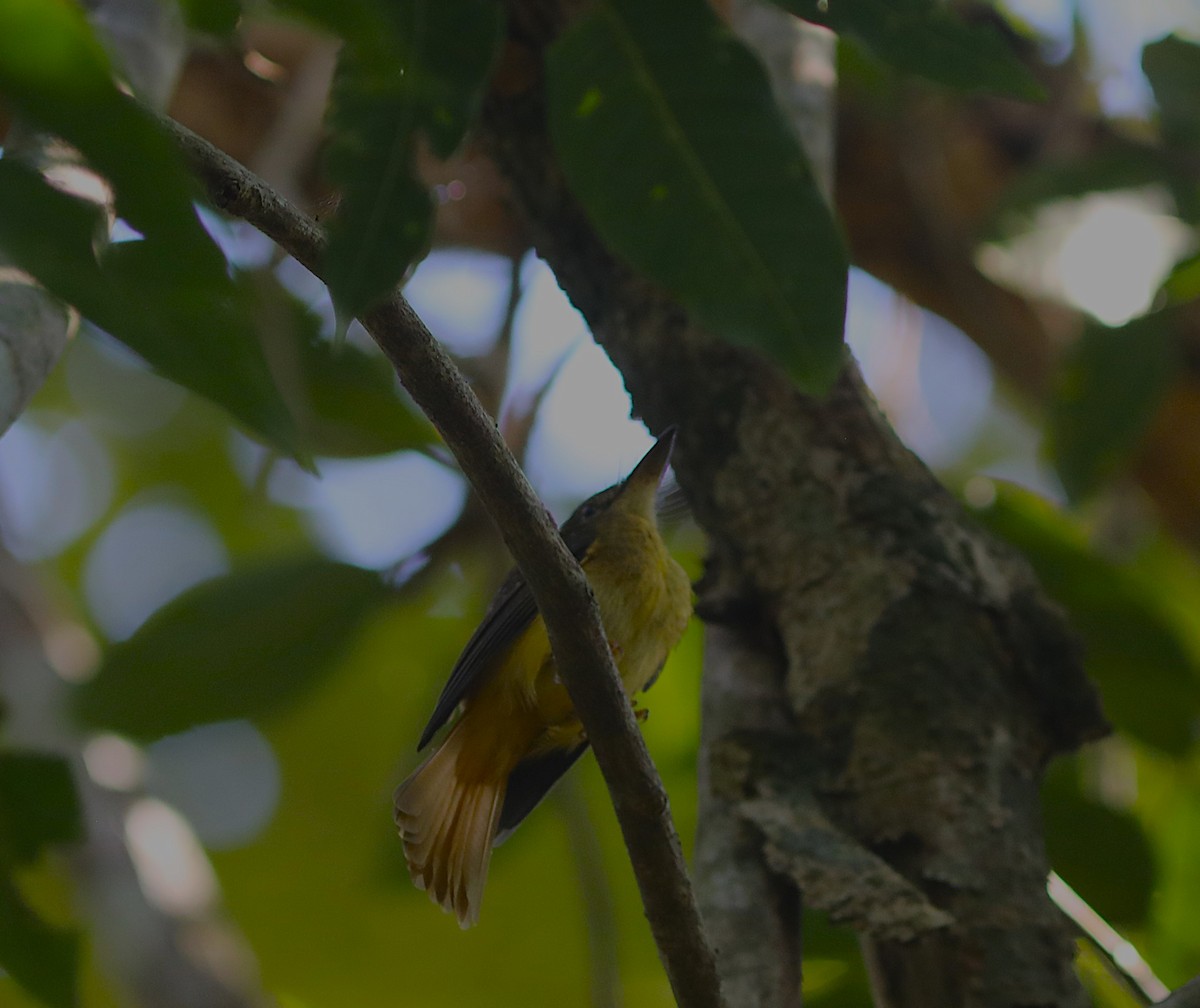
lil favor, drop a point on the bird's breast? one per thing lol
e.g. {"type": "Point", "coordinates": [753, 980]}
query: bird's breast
{"type": "Point", "coordinates": [645, 601]}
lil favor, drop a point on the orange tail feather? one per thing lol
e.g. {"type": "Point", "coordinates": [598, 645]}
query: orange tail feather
{"type": "Point", "coordinates": [448, 825]}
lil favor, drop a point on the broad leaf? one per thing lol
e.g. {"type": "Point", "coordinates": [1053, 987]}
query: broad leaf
{"type": "Point", "coordinates": [1111, 384]}
{"type": "Point", "coordinates": [191, 328]}
{"type": "Point", "coordinates": [1115, 877]}
{"type": "Point", "coordinates": [55, 74]}
{"type": "Point", "coordinates": [42, 959]}
{"type": "Point", "coordinates": [427, 82]}
{"type": "Point", "coordinates": [923, 37]}
{"type": "Point", "coordinates": [38, 805]}
{"type": "Point", "coordinates": [238, 646]}
{"type": "Point", "coordinates": [668, 133]}
{"type": "Point", "coordinates": [362, 24]}
{"type": "Point", "coordinates": [217, 17]}
{"type": "Point", "coordinates": [1137, 653]}
{"type": "Point", "coordinates": [354, 407]}
{"type": "Point", "coordinates": [1173, 66]}
{"type": "Point", "coordinates": [346, 401]}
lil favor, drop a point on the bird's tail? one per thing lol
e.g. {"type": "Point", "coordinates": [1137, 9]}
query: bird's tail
{"type": "Point", "coordinates": [447, 825]}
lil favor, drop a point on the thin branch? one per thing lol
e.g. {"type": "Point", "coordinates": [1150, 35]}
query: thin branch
{"type": "Point", "coordinates": [558, 584]}
{"type": "Point", "coordinates": [1121, 953]}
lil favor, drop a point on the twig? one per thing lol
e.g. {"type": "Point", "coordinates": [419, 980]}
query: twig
{"type": "Point", "coordinates": [1120, 952]}
{"type": "Point", "coordinates": [558, 584]}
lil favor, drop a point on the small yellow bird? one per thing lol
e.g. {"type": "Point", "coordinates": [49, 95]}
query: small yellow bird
{"type": "Point", "coordinates": [518, 732]}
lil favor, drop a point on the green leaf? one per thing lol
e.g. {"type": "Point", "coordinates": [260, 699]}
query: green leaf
{"type": "Point", "coordinates": [191, 327]}
{"type": "Point", "coordinates": [216, 17]}
{"type": "Point", "coordinates": [1173, 68]}
{"type": "Point", "coordinates": [427, 82]}
{"type": "Point", "coordinates": [1175, 820]}
{"type": "Point", "coordinates": [1115, 877]}
{"type": "Point", "coordinates": [361, 24]}
{"type": "Point", "coordinates": [200, 337]}
{"type": "Point", "coordinates": [1119, 165]}
{"type": "Point", "coordinates": [1111, 385]}
{"type": "Point", "coordinates": [346, 401]}
{"type": "Point", "coordinates": [1137, 653]}
{"type": "Point", "coordinates": [1183, 283]}
{"type": "Point", "coordinates": [44, 960]}
{"type": "Point", "coordinates": [923, 37]}
{"type": "Point", "coordinates": [668, 133]}
{"type": "Point", "coordinates": [38, 805]}
{"type": "Point", "coordinates": [354, 407]}
{"type": "Point", "coordinates": [58, 78]}
{"type": "Point", "coordinates": [242, 645]}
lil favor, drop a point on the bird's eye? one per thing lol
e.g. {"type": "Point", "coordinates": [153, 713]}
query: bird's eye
{"type": "Point", "coordinates": [588, 511]}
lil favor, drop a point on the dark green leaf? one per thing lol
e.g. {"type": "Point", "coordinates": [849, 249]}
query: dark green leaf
{"type": "Point", "coordinates": [383, 222]}
{"type": "Point", "coordinates": [1135, 650]}
{"type": "Point", "coordinates": [53, 236]}
{"type": "Point", "coordinates": [923, 37]}
{"type": "Point", "coordinates": [190, 326]}
{"type": "Point", "coordinates": [1120, 165]}
{"type": "Point", "coordinates": [1112, 382]}
{"type": "Point", "coordinates": [217, 17]}
{"type": "Point", "coordinates": [354, 408]}
{"type": "Point", "coordinates": [242, 645]}
{"type": "Point", "coordinates": [669, 135]}
{"type": "Point", "coordinates": [58, 78]}
{"type": "Point", "coordinates": [1115, 877]}
{"type": "Point", "coordinates": [345, 401]}
{"type": "Point", "coordinates": [198, 335]}
{"type": "Point", "coordinates": [38, 805]}
{"type": "Point", "coordinates": [44, 960]}
{"type": "Point", "coordinates": [361, 24]}
{"type": "Point", "coordinates": [1173, 67]}
{"type": "Point", "coordinates": [428, 82]}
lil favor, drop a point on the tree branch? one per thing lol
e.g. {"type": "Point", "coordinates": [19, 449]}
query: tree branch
{"type": "Point", "coordinates": [927, 678]}
{"type": "Point", "coordinates": [558, 584]}
{"type": "Point", "coordinates": [1187, 996]}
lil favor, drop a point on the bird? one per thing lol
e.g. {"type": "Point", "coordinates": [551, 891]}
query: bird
{"type": "Point", "coordinates": [517, 732]}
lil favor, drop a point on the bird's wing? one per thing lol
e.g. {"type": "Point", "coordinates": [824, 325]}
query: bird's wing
{"type": "Point", "coordinates": [529, 783]}
{"type": "Point", "coordinates": [511, 612]}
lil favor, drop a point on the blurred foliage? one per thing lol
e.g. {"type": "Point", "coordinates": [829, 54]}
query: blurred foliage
{"type": "Point", "coordinates": [38, 809]}
{"type": "Point", "coordinates": [741, 234]}
{"type": "Point", "coordinates": [1145, 661]}
{"type": "Point", "coordinates": [1111, 385]}
{"type": "Point", "coordinates": [416, 76]}
{"type": "Point", "coordinates": [229, 648]}
{"type": "Point", "coordinates": [926, 38]}
{"type": "Point", "coordinates": [337, 666]}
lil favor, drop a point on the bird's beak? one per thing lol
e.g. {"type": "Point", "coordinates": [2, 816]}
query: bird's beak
{"type": "Point", "coordinates": [641, 486]}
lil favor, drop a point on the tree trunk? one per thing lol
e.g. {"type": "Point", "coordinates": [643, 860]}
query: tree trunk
{"type": "Point", "coordinates": [911, 680]}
